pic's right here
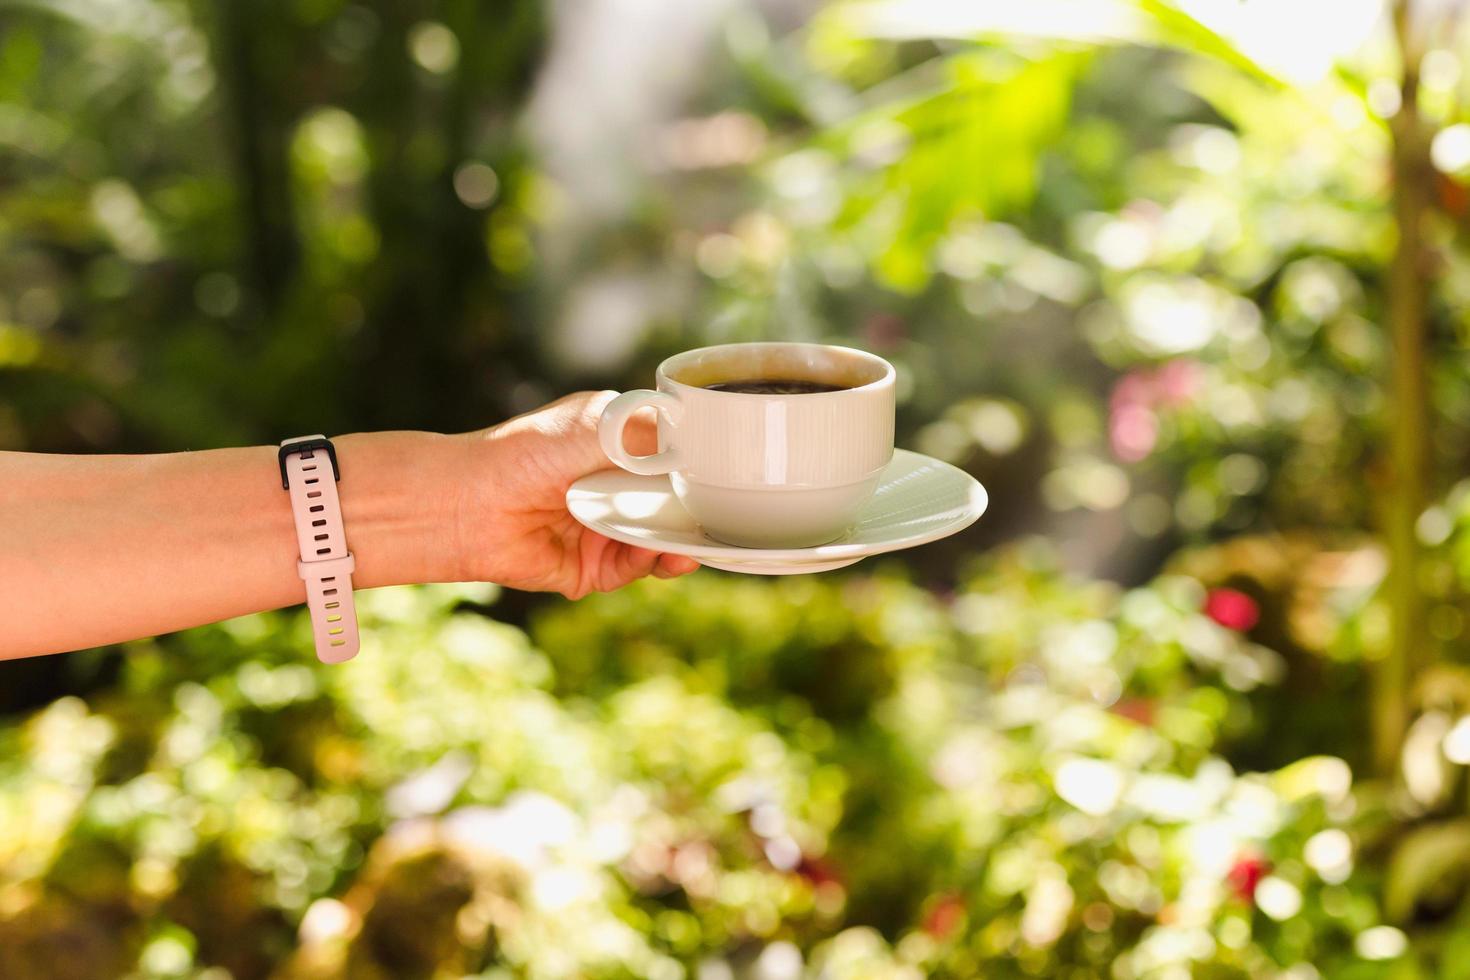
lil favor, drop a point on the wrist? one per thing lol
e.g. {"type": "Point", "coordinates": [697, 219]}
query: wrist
{"type": "Point", "coordinates": [400, 504]}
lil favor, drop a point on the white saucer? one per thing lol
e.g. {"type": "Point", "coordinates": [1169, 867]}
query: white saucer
{"type": "Point", "coordinates": [918, 500]}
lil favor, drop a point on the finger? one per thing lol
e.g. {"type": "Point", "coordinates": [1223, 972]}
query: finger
{"type": "Point", "coordinates": [640, 435]}
{"type": "Point", "coordinates": [629, 563]}
{"type": "Point", "coordinates": [672, 566]}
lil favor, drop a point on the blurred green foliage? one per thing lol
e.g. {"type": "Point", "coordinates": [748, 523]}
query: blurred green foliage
{"type": "Point", "coordinates": [1131, 261]}
{"type": "Point", "coordinates": [710, 775]}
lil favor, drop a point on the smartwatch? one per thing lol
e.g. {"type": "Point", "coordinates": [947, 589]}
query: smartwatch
{"type": "Point", "coordinates": [309, 473]}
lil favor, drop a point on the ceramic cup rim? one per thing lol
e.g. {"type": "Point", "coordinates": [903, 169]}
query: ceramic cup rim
{"type": "Point", "coordinates": [887, 377]}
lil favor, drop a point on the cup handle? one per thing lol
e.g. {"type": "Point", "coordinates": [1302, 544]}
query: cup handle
{"type": "Point", "coordinates": [615, 418]}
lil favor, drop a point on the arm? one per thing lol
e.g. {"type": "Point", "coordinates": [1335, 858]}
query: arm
{"type": "Point", "coordinates": [99, 549]}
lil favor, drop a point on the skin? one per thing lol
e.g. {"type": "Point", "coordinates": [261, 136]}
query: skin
{"type": "Point", "coordinates": [101, 549]}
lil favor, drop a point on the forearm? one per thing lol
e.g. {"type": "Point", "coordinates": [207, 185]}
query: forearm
{"type": "Point", "coordinates": [100, 549]}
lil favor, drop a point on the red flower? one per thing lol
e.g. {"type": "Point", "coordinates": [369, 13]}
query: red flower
{"type": "Point", "coordinates": [818, 871]}
{"type": "Point", "coordinates": [1452, 195]}
{"type": "Point", "coordinates": [1232, 609]}
{"type": "Point", "coordinates": [1140, 710]}
{"type": "Point", "coordinates": [944, 915]}
{"type": "Point", "coordinates": [1246, 873]}
{"type": "Point", "coordinates": [885, 331]}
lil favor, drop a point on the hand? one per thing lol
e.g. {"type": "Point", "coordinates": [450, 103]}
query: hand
{"type": "Point", "coordinates": [514, 524]}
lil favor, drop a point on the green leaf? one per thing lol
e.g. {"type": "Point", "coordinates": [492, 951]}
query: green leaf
{"type": "Point", "coordinates": [976, 140]}
{"type": "Point", "coordinates": [1428, 858]}
{"type": "Point", "coordinates": [1181, 30]}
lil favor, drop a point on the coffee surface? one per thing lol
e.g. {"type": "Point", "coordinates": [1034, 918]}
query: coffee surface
{"type": "Point", "coordinates": [775, 386]}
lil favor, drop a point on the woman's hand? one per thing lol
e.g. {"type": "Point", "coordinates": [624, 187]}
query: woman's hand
{"type": "Point", "coordinates": [514, 527]}
{"type": "Point", "coordinates": [98, 549]}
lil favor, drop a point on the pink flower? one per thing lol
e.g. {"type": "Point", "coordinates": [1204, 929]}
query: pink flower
{"type": "Point", "coordinates": [1133, 421]}
{"type": "Point", "coordinates": [1177, 382]}
{"type": "Point", "coordinates": [1232, 609]}
{"type": "Point", "coordinates": [1133, 431]}
{"type": "Point", "coordinates": [1134, 388]}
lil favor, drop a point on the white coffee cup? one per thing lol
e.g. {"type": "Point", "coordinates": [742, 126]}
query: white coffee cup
{"type": "Point", "coordinates": [765, 470]}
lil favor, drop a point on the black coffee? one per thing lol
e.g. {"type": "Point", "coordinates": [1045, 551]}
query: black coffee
{"type": "Point", "coordinates": [775, 386]}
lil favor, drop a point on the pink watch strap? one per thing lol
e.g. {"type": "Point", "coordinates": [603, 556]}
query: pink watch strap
{"type": "Point", "coordinates": [326, 566]}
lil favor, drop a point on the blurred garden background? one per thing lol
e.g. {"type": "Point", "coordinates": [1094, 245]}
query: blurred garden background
{"type": "Point", "coordinates": [1183, 282]}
